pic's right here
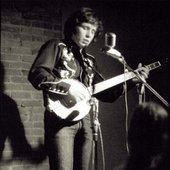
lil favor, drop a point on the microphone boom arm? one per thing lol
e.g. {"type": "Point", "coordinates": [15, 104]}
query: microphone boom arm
{"type": "Point", "coordinates": [117, 55]}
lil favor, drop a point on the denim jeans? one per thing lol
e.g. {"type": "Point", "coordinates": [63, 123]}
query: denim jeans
{"type": "Point", "coordinates": [69, 145]}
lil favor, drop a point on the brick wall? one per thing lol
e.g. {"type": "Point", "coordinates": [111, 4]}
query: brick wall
{"type": "Point", "coordinates": [23, 30]}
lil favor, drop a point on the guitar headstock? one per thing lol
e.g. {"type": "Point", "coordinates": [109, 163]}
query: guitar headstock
{"type": "Point", "coordinates": [154, 65]}
{"type": "Point", "coordinates": [163, 64]}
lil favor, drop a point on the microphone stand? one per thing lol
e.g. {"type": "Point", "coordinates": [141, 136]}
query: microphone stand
{"type": "Point", "coordinates": [117, 55]}
{"type": "Point", "coordinates": [143, 81]}
{"type": "Point", "coordinates": [141, 92]}
{"type": "Point", "coordinates": [96, 124]}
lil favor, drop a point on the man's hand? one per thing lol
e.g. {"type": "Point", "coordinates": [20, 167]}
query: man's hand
{"type": "Point", "coordinates": [59, 87]}
{"type": "Point", "coordinates": [142, 73]}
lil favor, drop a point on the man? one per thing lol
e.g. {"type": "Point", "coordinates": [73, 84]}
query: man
{"type": "Point", "coordinates": [68, 139]}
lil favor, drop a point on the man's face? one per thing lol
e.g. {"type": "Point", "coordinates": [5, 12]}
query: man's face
{"type": "Point", "coordinates": [84, 34]}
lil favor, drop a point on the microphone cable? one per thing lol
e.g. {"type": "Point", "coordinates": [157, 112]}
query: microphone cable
{"type": "Point", "coordinates": [97, 134]}
{"type": "Point", "coordinates": [102, 147]}
{"type": "Point", "coordinates": [126, 105]}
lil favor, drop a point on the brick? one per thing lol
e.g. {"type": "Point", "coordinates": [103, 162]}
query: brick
{"type": "Point", "coordinates": [38, 131]}
{"type": "Point", "coordinates": [9, 12]}
{"type": "Point", "coordinates": [24, 117]}
{"type": "Point", "coordinates": [37, 38]}
{"type": "Point", "coordinates": [9, 28]}
{"type": "Point", "coordinates": [25, 112]}
{"type": "Point", "coordinates": [25, 65]}
{"type": "Point", "coordinates": [24, 72]}
{"type": "Point", "coordinates": [50, 33]}
{"type": "Point", "coordinates": [24, 166]}
{"type": "Point", "coordinates": [26, 37]}
{"type": "Point", "coordinates": [9, 43]}
{"type": "Point", "coordinates": [15, 65]}
{"type": "Point", "coordinates": [31, 44]}
{"type": "Point", "coordinates": [21, 50]}
{"type": "Point", "coordinates": [11, 57]}
{"type": "Point", "coordinates": [25, 29]}
{"type": "Point", "coordinates": [22, 65]}
{"type": "Point", "coordinates": [6, 64]}
{"type": "Point", "coordinates": [29, 131]}
{"type": "Point", "coordinates": [20, 22]}
{"type": "Point", "coordinates": [34, 140]}
{"type": "Point", "coordinates": [13, 86]}
{"type": "Point", "coordinates": [38, 124]}
{"type": "Point", "coordinates": [5, 19]}
{"type": "Point", "coordinates": [9, 36]}
{"type": "Point", "coordinates": [32, 103]}
{"type": "Point", "coordinates": [39, 109]}
{"type": "Point", "coordinates": [13, 72]}
{"type": "Point", "coordinates": [37, 95]}
{"type": "Point", "coordinates": [32, 30]}
{"type": "Point", "coordinates": [26, 43]}
{"type": "Point", "coordinates": [21, 94]}
{"type": "Point", "coordinates": [42, 25]}
{"type": "Point", "coordinates": [37, 116]}
{"type": "Point", "coordinates": [7, 79]}
{"type": "Point", "coordinates": [28, 87]}
{"type": "Point", "coordinates": [28, 124]}
{"type": "Point", "coordinates": [6, 50]}
{"type": "Point", "coordinates": [37, 15]}
{"type": "Point", "coordinates": [19, 79]}
{"type": "Point", "coordinates": [35, 51]}
{"type": "Point", "coordinates": [3, 167]}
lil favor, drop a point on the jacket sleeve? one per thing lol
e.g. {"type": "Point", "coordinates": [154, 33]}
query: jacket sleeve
{"type": "Point", "coordinates": [42, 68]}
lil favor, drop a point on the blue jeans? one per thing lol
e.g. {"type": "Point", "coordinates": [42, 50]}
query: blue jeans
{"type": "Point", "coordinates": [69, 145]}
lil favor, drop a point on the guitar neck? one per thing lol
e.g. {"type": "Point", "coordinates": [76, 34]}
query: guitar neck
{"type": "Point", "coordinates": [120, 79]}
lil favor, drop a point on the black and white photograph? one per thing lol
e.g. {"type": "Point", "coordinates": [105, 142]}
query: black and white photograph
{"type": "Point", "coordinates": [84, 85]}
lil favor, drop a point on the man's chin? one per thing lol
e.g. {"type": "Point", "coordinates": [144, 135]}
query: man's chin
{"type": "Point", "coordinates": [83, 46]}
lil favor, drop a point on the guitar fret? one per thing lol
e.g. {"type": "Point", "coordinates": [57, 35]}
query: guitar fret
{"type": "Point", "coordinates": [154, 65]}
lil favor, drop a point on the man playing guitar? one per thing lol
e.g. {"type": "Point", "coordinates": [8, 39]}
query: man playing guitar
{"type": "Point", "coordinates": [65, 72]}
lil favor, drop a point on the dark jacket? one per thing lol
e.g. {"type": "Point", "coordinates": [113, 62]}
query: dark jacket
{"type": "Point", "coordinates": [58, 60]}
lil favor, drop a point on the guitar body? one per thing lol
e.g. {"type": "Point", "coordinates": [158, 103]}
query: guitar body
{"type": "Point", "coordinates": [67, 105]}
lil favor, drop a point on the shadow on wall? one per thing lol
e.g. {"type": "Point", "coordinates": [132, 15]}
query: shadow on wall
{"type": "Point", "coordinates": [11, 128]}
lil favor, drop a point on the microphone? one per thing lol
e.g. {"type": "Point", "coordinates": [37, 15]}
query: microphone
{"type": "Point", "coordinates": [110, 43]}
{"type": "Point", "coordinates": [110, 40]}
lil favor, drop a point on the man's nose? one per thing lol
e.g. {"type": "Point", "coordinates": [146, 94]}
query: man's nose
{"type": "Point", "coordinates": [88, 33]}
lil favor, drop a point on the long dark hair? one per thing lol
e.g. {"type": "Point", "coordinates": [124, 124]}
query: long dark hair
{"type": "Point", "coordinates": [83, 15]}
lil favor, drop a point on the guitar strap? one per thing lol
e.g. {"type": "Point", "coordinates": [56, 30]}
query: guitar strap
{"type": "Point", "coordinates": [96, 72]}
{"type": "Point", "coordinates": [84, 71]}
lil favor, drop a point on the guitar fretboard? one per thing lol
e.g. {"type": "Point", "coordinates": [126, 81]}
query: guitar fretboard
{"type": "Point", "coordinates": [120, 79]}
